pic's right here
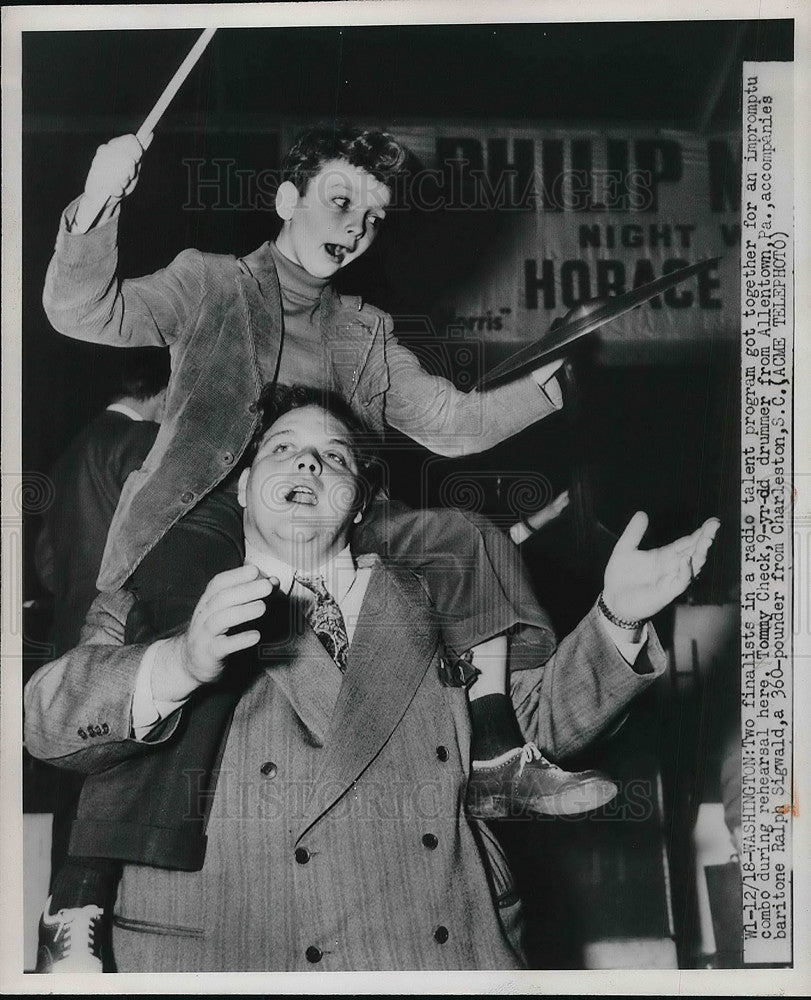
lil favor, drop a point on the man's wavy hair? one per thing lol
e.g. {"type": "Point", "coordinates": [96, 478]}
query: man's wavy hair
{"type": "Point", "coordinates": [275, 400]}
{"type": "Point", "coordinates": [378, 153]}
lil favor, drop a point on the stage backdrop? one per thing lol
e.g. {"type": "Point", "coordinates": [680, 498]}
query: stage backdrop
{"type": "Point", "coordinates": [590, 213]}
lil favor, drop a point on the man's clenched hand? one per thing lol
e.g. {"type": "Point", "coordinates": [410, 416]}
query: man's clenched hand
{"type": "Point", "coordinates": [199, 655]}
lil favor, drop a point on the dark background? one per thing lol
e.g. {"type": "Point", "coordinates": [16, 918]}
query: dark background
{"type": "Point", "coordinates": [663, 437]}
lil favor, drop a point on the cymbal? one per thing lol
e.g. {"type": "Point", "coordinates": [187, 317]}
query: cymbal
{"type": "Point", "coordinates": [565, 332]}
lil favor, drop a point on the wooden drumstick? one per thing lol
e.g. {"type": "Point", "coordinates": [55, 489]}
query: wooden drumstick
{"type": "Point", "coordinates": [83, 222]}
{"type": "Point", "coordinates": [144, 133]}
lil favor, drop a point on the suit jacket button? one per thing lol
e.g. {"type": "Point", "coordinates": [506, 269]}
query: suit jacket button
{"type": "Point", "coordinates": [441, 934]}
{"type": "Point", "coordinates": [252, 408]}
{"type": "Point", "coordinates": [228, 457]}
{"type": "Point", "coordinates": [302, 856]}
{"type": "Point", "coordinates": [82, 733]}
{"type": "Point", "coordinates": [105, 728]}
{"type": "Point", "coordinates": [430, 841]}
{"type": "Point", "coordinates": [269, 769]}
{"type": "Point", "coordinates": [442, 753]}
{"type": "Point", "coordinates": [186, 496]}
{"type": "Point", "coordinates": [314, 954]}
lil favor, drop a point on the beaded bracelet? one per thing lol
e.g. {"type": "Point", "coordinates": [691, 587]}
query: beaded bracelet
{"type": "Point", "coordinates": [620, 622]}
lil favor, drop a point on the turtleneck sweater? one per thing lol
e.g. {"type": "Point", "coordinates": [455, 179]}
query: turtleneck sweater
{"type": "Point", "coordinates": [302, 360]}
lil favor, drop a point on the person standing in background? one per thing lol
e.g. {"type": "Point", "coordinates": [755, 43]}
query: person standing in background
{"type": "Point", "coordinates": [87, 480]}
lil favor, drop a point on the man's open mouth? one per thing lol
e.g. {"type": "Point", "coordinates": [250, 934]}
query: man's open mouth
{"type": "Point", "coordinates": [303, 495]}
{"type": "Point", "coordinates": [337, 251]}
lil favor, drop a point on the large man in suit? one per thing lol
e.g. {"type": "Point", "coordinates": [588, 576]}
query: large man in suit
{"type": "Point", "coordinates": [326, 763]}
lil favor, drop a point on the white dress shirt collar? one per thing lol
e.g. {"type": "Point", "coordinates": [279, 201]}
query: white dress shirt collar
{"type": "Point", "coordinates": [126, 410]}
{"type": "Point", "coordinates": [338, 572]}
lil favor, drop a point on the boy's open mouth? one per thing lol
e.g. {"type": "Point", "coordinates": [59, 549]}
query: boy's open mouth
{"type": "Point", "coordinates": [303, 495]}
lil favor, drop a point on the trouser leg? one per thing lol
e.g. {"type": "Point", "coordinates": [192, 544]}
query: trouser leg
{"type": "Point", "coordinates": [473, 572]}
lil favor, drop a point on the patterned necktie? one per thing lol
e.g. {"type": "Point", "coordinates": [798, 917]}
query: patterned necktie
{"type": "Point", "coordinates": [326, 619]}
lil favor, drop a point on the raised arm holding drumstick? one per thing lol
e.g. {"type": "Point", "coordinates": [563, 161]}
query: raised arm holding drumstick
{"type": "Point", "coordinates": [114, 171]}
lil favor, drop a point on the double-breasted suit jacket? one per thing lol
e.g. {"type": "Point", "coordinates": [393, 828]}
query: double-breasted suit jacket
{"type": "Point", "coordinates": [336, 833]}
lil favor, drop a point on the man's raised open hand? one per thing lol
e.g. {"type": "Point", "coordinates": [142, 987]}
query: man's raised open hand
{"type": "Point", "coordinates": [639, 584]}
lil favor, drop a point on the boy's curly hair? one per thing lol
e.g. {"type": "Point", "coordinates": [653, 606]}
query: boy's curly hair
{"type": "Point", "coordinates": [378, 153]}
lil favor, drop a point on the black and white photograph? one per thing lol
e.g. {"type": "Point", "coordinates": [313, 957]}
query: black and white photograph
{"type": "Point", "coordinates": [404, 562]}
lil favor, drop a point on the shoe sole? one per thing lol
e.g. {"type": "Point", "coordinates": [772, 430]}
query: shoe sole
{"type": "Point", "coordinates": [589, 796]}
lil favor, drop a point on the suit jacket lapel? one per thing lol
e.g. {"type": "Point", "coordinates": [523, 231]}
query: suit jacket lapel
{"type": "Point", "coordinates": [377, 687]}
{"type": "Point", "coordinates": [347, 341]}
{"type": "Point", "coordinates": [259, 284]}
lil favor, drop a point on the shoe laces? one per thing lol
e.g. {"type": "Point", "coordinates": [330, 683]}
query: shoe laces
{"type": "Point", "coordinates": [77, 928]}
{"type": "Point", "coordinates": [530, 752]}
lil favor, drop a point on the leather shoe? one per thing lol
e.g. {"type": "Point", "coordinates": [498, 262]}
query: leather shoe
{"type": "Point", "coordinates": [69, 940]}
{"type": "Point", "coordinates": [523, 781]}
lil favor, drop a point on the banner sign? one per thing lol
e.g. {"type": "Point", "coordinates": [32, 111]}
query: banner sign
{"type": "Point", "coordinates": [584, 214]}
